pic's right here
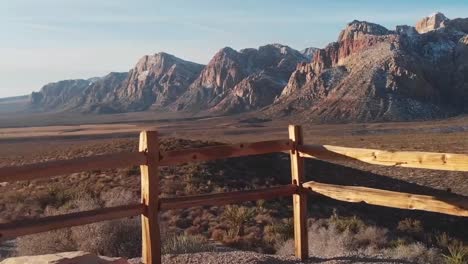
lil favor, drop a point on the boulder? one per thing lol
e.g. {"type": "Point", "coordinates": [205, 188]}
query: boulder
{"type": "Point", "coordinates": [74, 257]}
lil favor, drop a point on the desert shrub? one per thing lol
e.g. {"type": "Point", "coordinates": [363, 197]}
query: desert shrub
{"type": "Point", "coordinates": [457, 254]}
{"type": "Point", "coordinates": [111, 238]}
{"type": "Point", "coordinates": [279, 232]}
{"type": "Point", "coordinates": [352, 224]}
{"type": "Point", "coordinates": [180, 244]}
{"type": "Point", "coordinates": [236, 217]}
{"type": "Point", "coordinates": [412, 230]}
{"type": "Point", "coordinates": [349, 237]}
{"type": "Point", "coordinates": [55, 197]}
{"type": "Point", "coordinates": [45, 243]}
{"type": "Point", "coordinates": [398, 242]}
{"type": "Point", "coordinates": [443, 240]}
{"type": "Point", "coordinates": [218, 234]}
{"type": "Point", "coordinates": [410, 226]}
{"type": "Point", "coordinates": [414, 252]}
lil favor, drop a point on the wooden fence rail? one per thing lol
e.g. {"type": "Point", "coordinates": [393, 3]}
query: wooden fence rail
{"type": "Point", "coordinates": [408, 159]}
{"type": "Point", "coordinates": [355, 194]}
{"type": "Point", "coordinates": [33, 226]}
{"type": "Point", "coordinates": [149, 158]}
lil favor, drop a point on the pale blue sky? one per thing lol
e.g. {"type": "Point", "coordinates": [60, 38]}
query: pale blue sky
{"type": "Point", "coordinates": [43, 41]}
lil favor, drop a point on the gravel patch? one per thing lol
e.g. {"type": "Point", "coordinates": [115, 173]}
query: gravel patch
{"type": "Point", "coordinates": [246, 257]}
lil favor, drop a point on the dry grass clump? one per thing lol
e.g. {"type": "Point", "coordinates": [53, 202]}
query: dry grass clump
{"type": "Point", "coordinates": [455, 251]}
{"type": "Point", "coordinates": [182, 244]}
{"type": "Point", "coordinates": [457, 254]}
{"type": "Point", "coordinates": [351, 238]}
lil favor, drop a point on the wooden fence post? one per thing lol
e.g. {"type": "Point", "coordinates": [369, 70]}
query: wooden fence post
{"type": "Point", "coordinates": [301, 247]}
{"type": "Point", "coordinates": [151, 239]}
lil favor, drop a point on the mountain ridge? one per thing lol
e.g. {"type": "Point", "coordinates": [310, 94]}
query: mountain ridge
{"type": "Point", "coordinates": [370, 73]}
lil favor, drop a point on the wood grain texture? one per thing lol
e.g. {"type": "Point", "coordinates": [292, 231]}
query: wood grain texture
{"type": "Point", "coordinates": [409, 159]}
{"type": "Point", "coordinates": [33, 226]}
{"type": "Point", "coordinates": [301, 247]}
{"type": "Point", "coordinates": [151, 235]}
{"type": "Point", "coordinates": [62, 167]}
{"type": "Point", "coordinates": [445, 205]}
{"type": "Point", "coordinates": [218, 199]}
{"type": "Point", "coordinates": [223, 151]}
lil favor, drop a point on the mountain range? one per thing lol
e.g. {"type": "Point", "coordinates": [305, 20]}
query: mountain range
{"type": "Point", "coordinates": [370, 73]}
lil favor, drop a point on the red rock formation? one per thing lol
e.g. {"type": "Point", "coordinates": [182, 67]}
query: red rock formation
{"type": "Point", "coordinates": [370, 73]}
{"type": "Point", "coordinates": [431, 22]}
{"type": "Point", "coordinates": [241, 81]}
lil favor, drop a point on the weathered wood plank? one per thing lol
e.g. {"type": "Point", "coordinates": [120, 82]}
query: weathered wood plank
{"type": "Point", "coordinates": [223, 151]}
{"type": "Point", "coordinates": [445, 205]}
{"type": "Point", "coordinates": [61, 167]}
{"type": "Point", "coordinates": [218, 199]}
{"type": "Point", "coordinates": [409, 159]}
{"type": "Point", "coordinates": [33, 226]}
{"type": "Point", "coordinates": [299, 199]}
{"type": "Point", "coordinates": [151, 236]}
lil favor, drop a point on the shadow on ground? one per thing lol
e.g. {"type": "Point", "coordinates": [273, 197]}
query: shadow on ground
{"type": "Point", "coordinates": [326, 172]}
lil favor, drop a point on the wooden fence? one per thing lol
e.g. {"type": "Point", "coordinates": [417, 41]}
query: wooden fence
{"type": "Point", "coordinates": [149, 158]}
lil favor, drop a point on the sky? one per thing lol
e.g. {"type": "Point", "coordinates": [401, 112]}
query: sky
{"type": "Point", "coordinates": [43, 41]}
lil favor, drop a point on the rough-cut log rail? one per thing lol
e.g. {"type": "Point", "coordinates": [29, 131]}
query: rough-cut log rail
{"type": "Point", "coordinates": [223, 151]}
{"type": "Point", "coordinates": [59, 167]}
{"type": "Point", "coordinates": [227, 198]}
{"type": "Point", "coordinates": [409, 159]}
{"type": "Point", "coordinates": [32, 226]}
{"type": "Point", "coordinates": [447, 205]}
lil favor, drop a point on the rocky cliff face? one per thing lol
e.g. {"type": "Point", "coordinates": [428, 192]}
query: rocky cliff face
{"type": "Point", "coordinates": [241, 81]}
{"type": "Point", "coordinates": [372, 73]}
{"type": "Point", "coordinates": [62, 95]}
{"type": "Point", "coordinates": [155, 81]}
{"type": "Point", "coordinates": [309, 52]}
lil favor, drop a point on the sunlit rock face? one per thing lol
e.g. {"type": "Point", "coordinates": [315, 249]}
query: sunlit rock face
{"type": "Point", "coordinates": [432, 22]}
{"type": "Point", "coordinates": [238, 81]}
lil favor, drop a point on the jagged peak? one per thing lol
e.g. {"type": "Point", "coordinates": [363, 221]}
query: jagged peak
{"type": "Point", "coordinates": [227, 50]}
{"type": "Point", "coordinates": [163, 54]}
{"type": "Point", "coordinates": [432, 22]}
{"type": "Point", "coordinates": [162, 60]}
{"type": "Point", "coordinates": [356, 28]}
{"type": "Point", "coordinates": [309, 52]}
{"type": "Point", "coordinates": [283, 49]}
{"type": "Point", "coordinates": [439, 15]}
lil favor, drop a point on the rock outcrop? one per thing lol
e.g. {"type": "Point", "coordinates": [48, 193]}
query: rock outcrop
{"type": "Point", "coordinates": [62, 95]}
{"type": "Point", "coordinates": [155, 81]}
{"type": "Point", "coordinates": [75, 257]}
{"type": "Point", "coordinates": [432, 22]}
{"type": "Point", "coordinates": [309, 52]}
